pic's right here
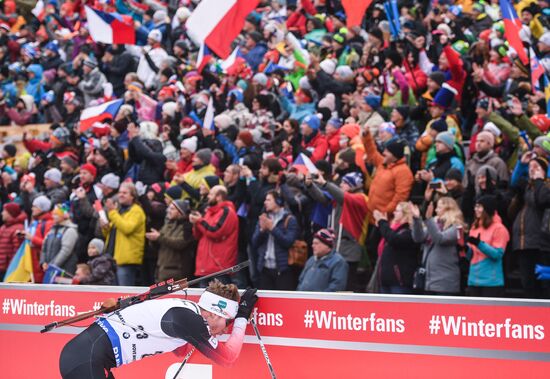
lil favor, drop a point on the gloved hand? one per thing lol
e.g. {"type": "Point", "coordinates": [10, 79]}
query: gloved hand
{"type": "Point", "coordinates": [474, 240]}
{"type": "Point", "coordinates": [246, 305]}
{"type": "Point", "coordinates": [140, 188]}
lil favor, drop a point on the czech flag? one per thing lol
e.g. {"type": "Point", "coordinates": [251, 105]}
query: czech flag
{"type": "Point", "coordinates": [102, 112]}
{"type": "Point", "coordinates": [304, 165]}
{"type": "Point", "coordinates": [355, 11]}
{"type": "Point", "coordinates": [217, 23]}
{"type": "Point", "coordinates": [512, 27]}
{"type": "Point", "coordinates": [20, 268]}
{"type": "Point", "coordinates": [110, 28]}
{"type": "Point", "coordinates": [536, 69]}
{"type": "Point", "coordinates": [204, 56]}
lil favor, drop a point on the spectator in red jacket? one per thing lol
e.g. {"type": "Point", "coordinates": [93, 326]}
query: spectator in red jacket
{"type": "Point", "coordinates": [10, 234]}
{"type": "Point", "coordinates": [314, 144]}
{"type": "Point", "coordinates": [217, 232]}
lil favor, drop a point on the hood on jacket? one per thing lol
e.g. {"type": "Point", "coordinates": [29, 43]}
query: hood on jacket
{"type": "Point", "coordinates": [18, 220]}
{"type": "Point", "coordinates": [37, 70]}
{"type": "Point", "coordinates": [28, 100]}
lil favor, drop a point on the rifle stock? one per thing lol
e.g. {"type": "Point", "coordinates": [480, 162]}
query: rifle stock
{"type": "Point", "coordinates": [155, 291]}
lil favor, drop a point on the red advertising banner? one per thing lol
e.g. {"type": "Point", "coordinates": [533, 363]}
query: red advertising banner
{"type": "Point", "coordinates": [308, 335]}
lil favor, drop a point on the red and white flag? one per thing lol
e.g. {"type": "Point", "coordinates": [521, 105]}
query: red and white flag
{"type": "Point", "coordinates": [217, 23]}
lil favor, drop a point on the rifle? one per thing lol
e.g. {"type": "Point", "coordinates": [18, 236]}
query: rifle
{"type": "Point", "coordinates": [155, 291]}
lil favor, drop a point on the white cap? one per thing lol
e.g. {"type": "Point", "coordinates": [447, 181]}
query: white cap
{"type": "Point", "coordinates": [328, 66]}
{"type": "Point", "coordinates": [155, 35]}
{"type": "Point", "coordinates": [183, 13]}
{"type": "Point", "coordinates": [492, 128]}
{"type": "Point", "coordinates": [110, 180]}
{"type": "Point", "coordinates": [189, 144]}
{"type": "Point", "coordinates": [169, 108]}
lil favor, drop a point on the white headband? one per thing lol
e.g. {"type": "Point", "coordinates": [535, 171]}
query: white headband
{"type": "Point", "coordinates": [218, 305]}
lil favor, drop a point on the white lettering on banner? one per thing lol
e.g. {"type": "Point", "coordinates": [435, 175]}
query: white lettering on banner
{"type": "Point", "coordinates": [330, 320]}
{"type": "Point", "coordinates": [267, 319]}
{"type": "Point", "coordinates": [460, 326]}
{"type": "Point", "coordinates": [21, 307]}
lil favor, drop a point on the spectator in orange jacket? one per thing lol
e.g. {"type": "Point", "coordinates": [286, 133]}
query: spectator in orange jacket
{"type": "Point", "coordinates": [393, 179]}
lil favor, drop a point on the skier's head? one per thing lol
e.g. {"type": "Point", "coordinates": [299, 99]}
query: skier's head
{"type": "Point", "coordinates": [219, 304]}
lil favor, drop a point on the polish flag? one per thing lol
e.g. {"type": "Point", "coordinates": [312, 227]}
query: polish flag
{"type": "Point", "coordinates": [218, 22]}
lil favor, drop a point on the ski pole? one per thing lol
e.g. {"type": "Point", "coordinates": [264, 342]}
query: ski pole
{"type": "Point", "coordinates": [264, 351]}
{"type": "Point", "coordinates": [184, 362]}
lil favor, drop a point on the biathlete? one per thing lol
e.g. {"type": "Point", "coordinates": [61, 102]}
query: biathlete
{"type": "Point", "coordinates": [159, 326]}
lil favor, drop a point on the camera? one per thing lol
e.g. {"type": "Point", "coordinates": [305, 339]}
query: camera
{"type": "Point", "coordinates": [436, 185]}
{"type": "Point", "coordinates": [315, 176]}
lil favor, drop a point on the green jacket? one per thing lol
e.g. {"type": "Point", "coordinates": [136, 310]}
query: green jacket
{"type": "Point", "coordinates": [513, 132]}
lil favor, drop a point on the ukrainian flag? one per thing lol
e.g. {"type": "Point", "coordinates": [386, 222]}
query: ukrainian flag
{"type": "Point", "coordinates": [20, 268]}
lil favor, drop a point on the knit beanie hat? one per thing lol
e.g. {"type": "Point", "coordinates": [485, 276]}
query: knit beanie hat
{"type": "Point", "coordinates": [98, 244]}
{"type": "Point", "coordinates": [543, 163]}
{"type": "Point", "coordinates": [90, 168]}
{"type": "Point", "coordinates": [174, 193]}
{"type": "Point", "coordinates": [454, 174]}
{"type": "Point", "coordinates": [446, 138]}
{"type": "Point", "coordinates": [182, 206]}
{"type": "Point", "coordinates": [353, 179]}
{"type": "Point", "coordinates": [438, 77]}
{"type": "Point", "coordinates": [326, 236]}
{"type": "Point", "coordinates": [312, 121]}
{"type": "Point", "coordinates": [189, 144]}
{"type": "Point", "coordinates": [61, 210]}
{"type": "Point", "coordinates": [388, 127]}
{"type": "Point", "coordinates": [13, 209]}
{"type": "Point", "coordinates": [111, 180]}
{"type": "Point", "coordinates": [328, 66]}
{"type": "Point", "coordinates": [43, 203]}
{"type": "Point", "coordinates": [492, 128]}
{"type": "Point", "coordinates": [70, 161]}
{"type": "Point", "coordinates": [396, 148]}
{"type": "Point", "coordinates": [490, 137]}
{"type": "Point", "coordinates": [347, 155]}
{"type": "Point", "coordinates": [489, 203]}
{"type": "Point", "coordinates": [10, 149]}
{"type": "Point", "coordinates": [222, 121]}
{"type": "Point", "coordinates": [53, 174]}
{"type": "Point", "coordinates": [211, 181]}
{"type": "Point", "coordinates": [246, 137]}
{"type": "Point", "coordinates": [439, 125]}
{"type": "Point", "coordinates": [373, 101]}
{"type": "Point", "coordinates": [205, 155]}
{"type": "Point", "coordinates": [403, 111]}
{"type": "Point", "coordinates": [170, 109]}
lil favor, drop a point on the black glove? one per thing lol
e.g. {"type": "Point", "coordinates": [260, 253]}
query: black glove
{"type": "Point", "coordinates": [246, 305]}
{"type": "Point", "coordinates": [473, 240]}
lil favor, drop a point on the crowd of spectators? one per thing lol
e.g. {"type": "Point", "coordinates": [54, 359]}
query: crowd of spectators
{"type": "Point", "coordinates": [430, 148]}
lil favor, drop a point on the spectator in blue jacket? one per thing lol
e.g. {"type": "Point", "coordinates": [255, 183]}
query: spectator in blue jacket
{"type": "Point", "coordinates": [326, 270]}
{"type": "Point", "coordinates": [256, 49]}
{"type": "Point", "coordinates": [275, 232]}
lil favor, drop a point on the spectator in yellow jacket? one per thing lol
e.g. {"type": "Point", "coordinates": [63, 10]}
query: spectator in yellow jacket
{"type": "Point", "coordinates": [125, 233]}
